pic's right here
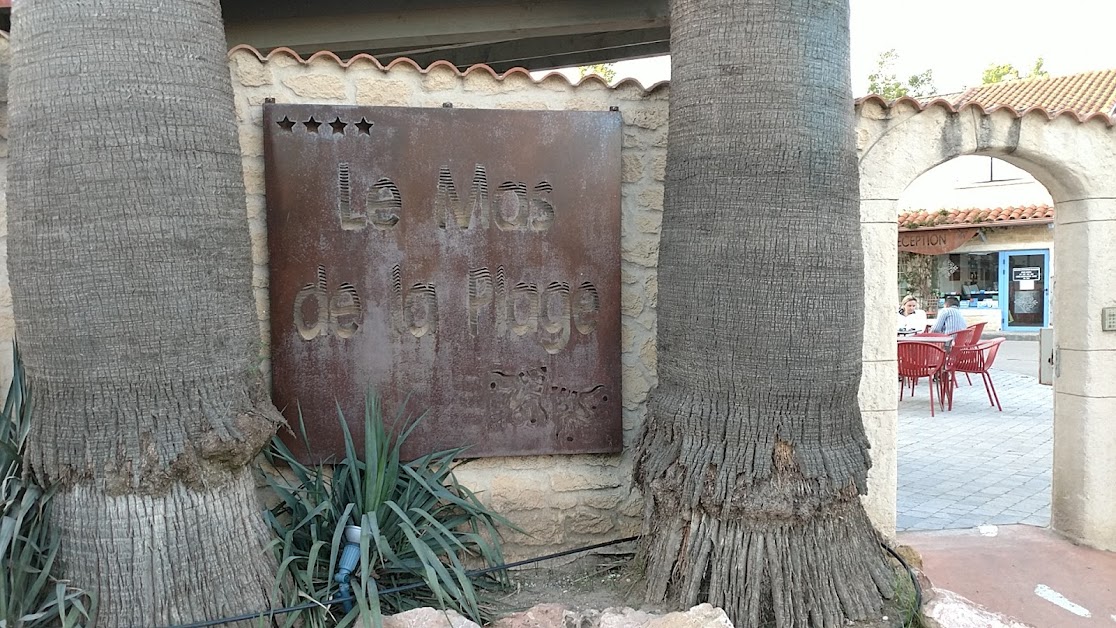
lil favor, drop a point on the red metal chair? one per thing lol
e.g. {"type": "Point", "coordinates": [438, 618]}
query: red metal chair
{"type": "Point", "coordinates": [962, 340]}
{"type": "Point", "coordinates": [918, 360]}
{"type": "Point", "coordinates": [977, 331]}
{"type": "Point", "coordinates": [978, 359]}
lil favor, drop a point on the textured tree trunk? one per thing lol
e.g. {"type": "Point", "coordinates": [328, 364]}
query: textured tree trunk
{"type": "Point", "coordinates": [130, 272]}
{"type": "Point", "coordinates": [754, 455]}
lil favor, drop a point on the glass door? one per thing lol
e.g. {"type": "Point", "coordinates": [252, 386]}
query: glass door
{"type": "Point", "coordinates": [1024, 289]}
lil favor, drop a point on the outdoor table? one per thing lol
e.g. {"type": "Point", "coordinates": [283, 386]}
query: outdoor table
{"type": "Point", "coordinates": [933, 338]}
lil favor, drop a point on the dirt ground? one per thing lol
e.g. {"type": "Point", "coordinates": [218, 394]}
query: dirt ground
{"type": "Point", "coordinates": [600, 581]}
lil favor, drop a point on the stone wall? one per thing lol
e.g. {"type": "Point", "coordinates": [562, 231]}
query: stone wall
{"type": "Point", "coordinates": [558, 501]}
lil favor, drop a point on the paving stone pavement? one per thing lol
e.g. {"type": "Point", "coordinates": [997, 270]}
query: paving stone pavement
{"type": "Point", "coordinates": [974, 466]}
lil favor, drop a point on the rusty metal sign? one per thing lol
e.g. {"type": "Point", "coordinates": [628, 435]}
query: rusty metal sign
{"type": "Point", "coordinates": [463, 261]}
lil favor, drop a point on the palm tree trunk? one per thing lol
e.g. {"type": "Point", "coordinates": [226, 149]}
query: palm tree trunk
{"type": "Point", "coordinates": [130, 274]}
{"type": "Point", "coordinates": [754, 455]}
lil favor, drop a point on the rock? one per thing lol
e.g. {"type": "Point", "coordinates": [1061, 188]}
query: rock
{"type": "Point", "coordinates": [700, 616]}
{"type": "Point", "coordinates": [949, 610]}
{"type": "Point", "coordinates": [557, 616]}
{"type": "Point", "coordinates": [428, 618]}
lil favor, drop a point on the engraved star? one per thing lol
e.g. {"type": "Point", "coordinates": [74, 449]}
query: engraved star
{"type": "Point", "coordinates": [365, 126]}
{"type": "Point", "coordinates": [286, 124]}
{"type": "Point", "coordinates": [338, 125]}
{"type": "Point", "coordinates": [312, 125]}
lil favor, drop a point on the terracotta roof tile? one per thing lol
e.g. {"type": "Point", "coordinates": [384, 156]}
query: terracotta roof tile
{"type": "Point", "coordinates": [1084, 97]}
{"type": "Point", "coordinates": [995, 217]}
{"type": "Point", "coordinates": [1084, 94]}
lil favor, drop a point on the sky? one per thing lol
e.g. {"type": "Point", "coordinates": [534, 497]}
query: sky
{"type": "Point", "coordinates": [958, 39]}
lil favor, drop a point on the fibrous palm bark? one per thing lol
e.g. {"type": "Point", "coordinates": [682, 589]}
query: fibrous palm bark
{"type": "Point", "coordinates": [754, 455]}
{"type": "Point", "coordinates": [130, 273]}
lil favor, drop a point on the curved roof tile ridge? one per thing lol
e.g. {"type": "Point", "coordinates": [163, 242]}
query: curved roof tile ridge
{"type": "Point", "coordinates": [479, 67]}
{"type": "Point", "coordinates": [942, 103]}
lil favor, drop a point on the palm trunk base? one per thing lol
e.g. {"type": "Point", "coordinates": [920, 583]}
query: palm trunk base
{"type": "Point", "coordinates": [813, 573]}
{"type": "Point", "coordinates": [181, 557]}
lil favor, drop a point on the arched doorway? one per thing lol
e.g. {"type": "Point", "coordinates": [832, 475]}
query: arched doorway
{"type": "Point", "coordinates": [979, 230]}
{"type": "Point", "coordinates": [1072, 159]}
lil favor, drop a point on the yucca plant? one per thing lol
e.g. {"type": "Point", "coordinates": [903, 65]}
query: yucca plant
{"type": "Point", "coordinates": [419, 528]}
{"type": "Point", "coordinates": [30, 595]}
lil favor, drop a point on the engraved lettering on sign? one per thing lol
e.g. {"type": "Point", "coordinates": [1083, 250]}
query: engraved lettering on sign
{"type": "Point", "coordinates": [587, 305]}
{"type": "Point", "coordinates": [349, 220]}
{"type": "Point", "coordinates": [340, 313]}
{"type": "Point", "coordinates": [448, 206]}
{"type": "Point", "coordinates": [384, 203]}
{"type": "Point", "coordinates": [532, 398]}
{"type": "Point", "coordinates": [523, 308]}
{"type": "Point", "coordinates": [511, 211]}
{"type": "Point", "coordinates": [501, 300]}
{"type": "Point", "coordinates": [542, 211]}
{"type": "Point", "coordinates": [345, 311]}
{"type": "Point", "coordinates": [555, 317]}
{"type": "Point", "coordinates": [312, 294]}
{"type": "Point", "coordinates": [416, 310]}
{"type": "Point", "coordinates": [479, 296]}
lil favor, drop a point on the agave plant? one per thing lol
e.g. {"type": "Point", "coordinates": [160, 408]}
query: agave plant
{"type": "Point", "coordinates": [30, 595]}
{"type": "Point", "coordinates": [419, 528]}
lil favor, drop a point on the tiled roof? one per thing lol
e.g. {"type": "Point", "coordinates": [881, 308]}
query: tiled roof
{"type": "Point", "coordinates": [627, 83]}
{"type": "Point", "coordinates": [956, 218]}
{"type": "Point", "coordinates": [1084, 97]}
{"type": "Point", "coordinates": [1084, 94]}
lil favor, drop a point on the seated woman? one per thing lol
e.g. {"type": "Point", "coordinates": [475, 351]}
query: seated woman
{"type": "Point", "coordinates": [911, 318]}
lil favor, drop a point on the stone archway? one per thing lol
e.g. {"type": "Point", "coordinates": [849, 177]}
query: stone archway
{"type": "Point", "coordinates": [1074, 159]}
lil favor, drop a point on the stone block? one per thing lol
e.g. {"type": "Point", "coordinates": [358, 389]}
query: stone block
{"type": "Point", "coordinates": [652, 197]}
{"type": "Point", "coordinates": [645, 117]}
{"type": "Point", "coordinates": [382, 92]}
{"type": "Point", "coordinates": [316, 86]}
{"type": "Point", "coordinates": [642, 249]}
{"type": "Point", "coordinates": [257, 231]}
{"type": "Point", "coordinates": [588, 522]}
{"type": "Point", "coordinates": [521, 491]}
{"type": "Point", "coordinates": [881, 427]}
{"type": "Point", "coordinates": [584, 479]}
{"type": "Point", "coordinates": [1084, 504]}
{"type": "Point", "coordinates": [884, 211]}
{"type": "Point", "coordinates": [428, 618]}
{"type": "Point", "coordinates": [631, 300]}
{"type": "Point", "coordinates": [253, 170]}
{"type": "Point", "coordinates": [636, 386]}
{"type": "Point", "coordinates": [631, 167]}
{"type": "Point", "coordinates": [1089, 373]}
{"type": "Point", "coordinates": [1085, 282]}
{"type": "Point", "coordinates": [248, 70]}
{"type": "Point", "coordinates": [658, 166]}
{"type": "Point", "coordinates": [878, 386]}
{"type": "Point", "coordinates": [650, 222]}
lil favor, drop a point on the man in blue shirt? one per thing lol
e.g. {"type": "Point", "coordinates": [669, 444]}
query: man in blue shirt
{"type": "Point", "coordinates": [949, 319]}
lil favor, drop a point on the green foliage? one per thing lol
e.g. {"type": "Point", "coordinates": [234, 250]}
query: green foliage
{"type": "Point", "coordinates": [916, 271]}
{"type": "Point", "coordinates": [604, 70]}
{"type": "Point", "coordinates": [418, 525]}
{"type": "Point", "coordinates": [30, 593]}
{"type": "Point", "coordinates": [884, 82]}
{"type": "Point", "coordinates": [999, 72]}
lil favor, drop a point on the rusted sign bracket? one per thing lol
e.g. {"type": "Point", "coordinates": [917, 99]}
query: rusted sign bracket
{"type": "Point", "coordinates": [467, 260]}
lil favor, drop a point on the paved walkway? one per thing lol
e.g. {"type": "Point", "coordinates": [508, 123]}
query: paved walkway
{"type": "Point", "coordinates": [974, 465]}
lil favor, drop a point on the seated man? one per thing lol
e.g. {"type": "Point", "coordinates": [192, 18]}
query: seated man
{"type": "Point", "coordinates": [949, 319]}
